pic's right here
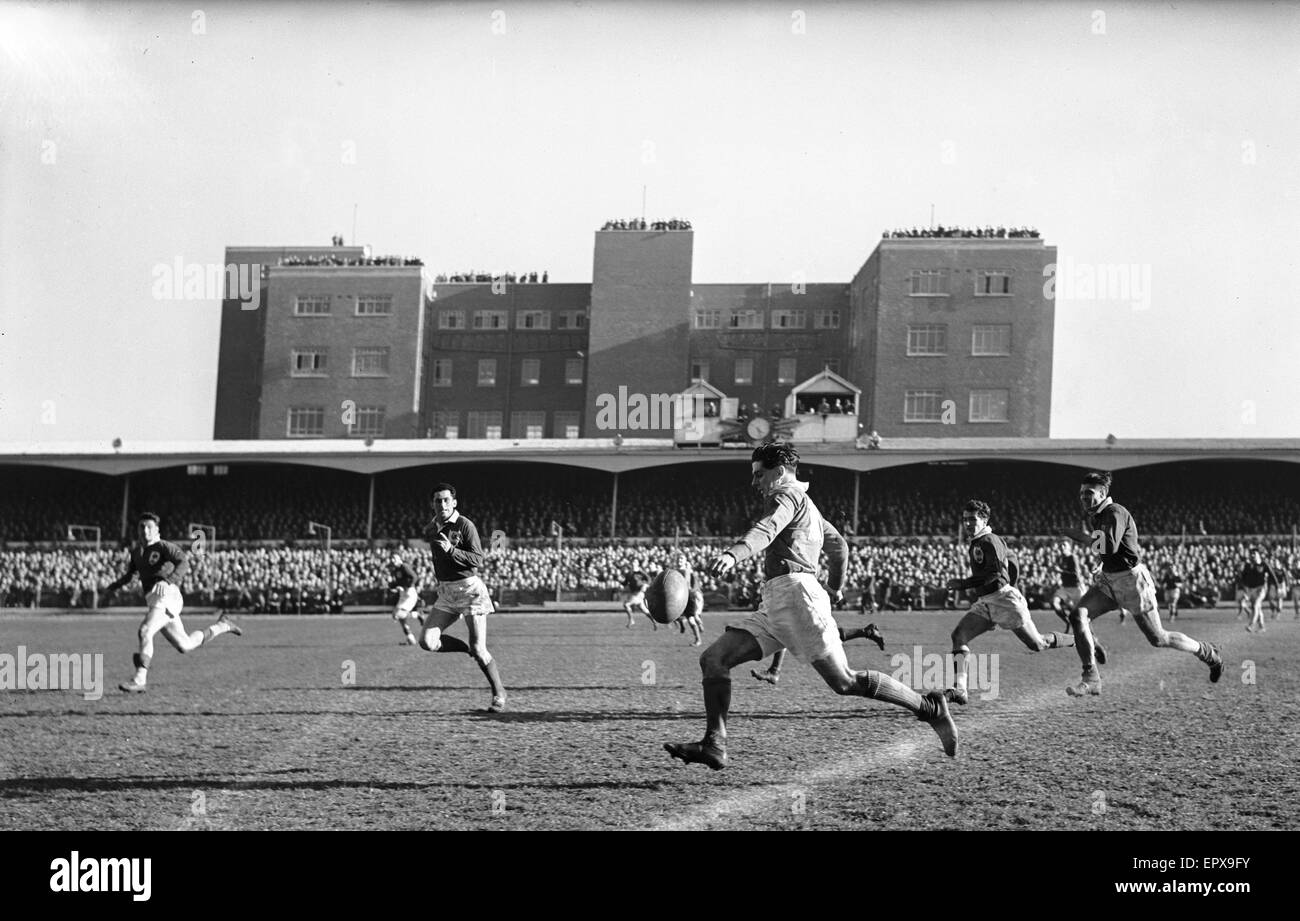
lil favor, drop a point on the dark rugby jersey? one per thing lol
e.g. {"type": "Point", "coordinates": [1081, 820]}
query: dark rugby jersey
{"type": "Point", "coordinates": [988, 564]}
{"type": "Point", "coordinates": [1171, 581]}
{"type": "Point", "coordinates": [403, 576]}
{"type": "Point", "coordinates": [1068, 564]}
{"type": "Point", "coordinates": [1253, 576]}
{"type": "Point", "coordinates": [1115, 538]}
{"type": "Point", "coordinates": [156, 562]}
{"type": "Point", "coordinates": [465, 557]}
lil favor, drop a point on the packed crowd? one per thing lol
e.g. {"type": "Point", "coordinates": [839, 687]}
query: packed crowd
{"type": "Point", "coordinates": [524, 278]}
{"type": "Point", "coordinates": [343, 260]}
{"type": "Point", "coordinates": [638, 223]}
{"type": "Point", "coordinates": [1000, 233]}
{"type": "Point", "coordinates": [904, 575]}
{"type": "Point", "coordinates": [276, 503]}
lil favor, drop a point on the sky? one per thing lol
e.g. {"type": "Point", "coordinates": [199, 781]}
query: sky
{"type": "Point", "coordinates": [1159, 139]}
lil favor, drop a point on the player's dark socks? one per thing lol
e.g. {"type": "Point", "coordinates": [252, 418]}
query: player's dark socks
{"type": "Point", "coordinates": [1098, 651]}
{"type": "Point", "coordinates": [452, 644]}
{"type": "Point", "coordinates": [1059, 640]}
{"type": "Point", "coordinates": [717, 703]}
{"type": "Point", "coordinates": [140, 661]}
{"type": "Point", "coordinates": [852, 633]}
{"type": "Point", "coordinates": [493, 676]}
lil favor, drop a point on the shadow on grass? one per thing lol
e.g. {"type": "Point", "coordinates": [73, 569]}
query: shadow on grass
{"type": "Point", "coordinates": [24, 787]}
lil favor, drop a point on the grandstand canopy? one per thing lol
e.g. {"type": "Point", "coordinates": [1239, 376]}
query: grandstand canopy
{"type": "Point", "coordinates": [633, 453]}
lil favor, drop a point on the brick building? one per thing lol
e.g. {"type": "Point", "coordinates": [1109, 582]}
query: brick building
{"type": "Point", "coordinates": [944, 336]}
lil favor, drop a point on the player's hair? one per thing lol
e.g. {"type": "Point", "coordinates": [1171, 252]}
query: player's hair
{"type": "Point", "coordinates": [979, 508]}
{"type": "Point", "coordinates": [1097, 478]}
{"type": "Point", "coordinates": [440, 487]}
{"type": "Point", "coordinates": [149, 516]}
{"type": "Point", "coordinates": [776, 454]}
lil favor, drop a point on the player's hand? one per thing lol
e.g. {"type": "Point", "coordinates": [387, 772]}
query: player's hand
{"type": "Point", "coordinates": [722, 564]}
{"type": "Point", "coordinates": [953, 584]}
{"type": "Point", "coordinates": [444, 543]}
{"type": "Point", "coordinates": [837, 598]}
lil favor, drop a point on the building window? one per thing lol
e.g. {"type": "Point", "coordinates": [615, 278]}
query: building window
{"type": "Point", "coordinates": [374, 305]}
{"type": "Point", "coordinates": [927, 340]}
{"type": "Point", "coordinates": [789, 319]}
{"type": "Point", "coordinates": [311, 305]}
{"type": "Point", "coordinates": [572, 319]}
{"type": "Point", "coordinates": [307, 363]}
{"type": "Point", "coordinates": [442, 372]}
{"type": "Point", "coordinates": [451, 319]}
{"type": "Point", "coordinates": [479, 424]}
{"type": "Point", "coordinates": [699, 370]}
{"type": "Point", "coordinates": [369, 421]}
{"type": "Point", "coordinates": [745, 319]}
{"type": "Point", "coordinates": [373, 362]}
{"type": "Point", "coordinates": [530, 372]}
{"type": "Point", "coordinates": [445, 424]}
{"type": "Point", "coordinates": [306, 421]}
{"type": "Point", "coordinates": [487, 372]}
{"type": "Point", "coordinates": [990, 340]}
{"type": "Point", "coordinates": [988, 405]}
{"type": "Point", "coordinates": [785, 372]}
{"type": "Point", "coordinates": [927, 282]}
{"type": "Point", "coordinates": [534, 319]}
{"type": "Point", "coordinates": [490, 319]}
{"type": "Point", "coordinates": [566, 425]}
{"type": "Point", "coordinates": [708, 319]}
{"type": "Point", "coordinates": [826, 319]}
{"type": "Point", "coordinates": [923, 406]}
{"type": "Point", "coordinates": [573, 370]}
{"type": "Point", "coordinates": [744, 370]}
{"type": "Point", "coordinates": [528, 425]}
{"type": "Point", "coordinates": [992, 283]}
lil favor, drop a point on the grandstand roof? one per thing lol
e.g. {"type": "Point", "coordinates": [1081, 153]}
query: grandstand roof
{"type": "Point", "coordinates": [633, 453]}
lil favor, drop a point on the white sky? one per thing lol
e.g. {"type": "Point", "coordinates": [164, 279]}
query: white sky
{"type": "Point", "coordinates": [1171, 141]}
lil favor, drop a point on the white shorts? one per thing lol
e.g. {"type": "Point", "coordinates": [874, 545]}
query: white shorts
{"type": "Point", "coordinates": [794, 613]}
{"type": "Point", "coordinates": [1173, 594]}
{"type": "Point", "coordinates": [167, 596]}
{"type": "Point", "coordinates": [1133, 590]}
{"type": "Point", "coordinates": [464, 596]}
{"type": "Point", "coordinates": [1005, 608]}
{"type": "Point", "coordinates": [634, 598]}
{"type": "Point", "coordinates": [1070, 593]}
{"type": "Point", "coordinates": [1256, 594]}
{"type": "Point", "coordinates": [406, 601]}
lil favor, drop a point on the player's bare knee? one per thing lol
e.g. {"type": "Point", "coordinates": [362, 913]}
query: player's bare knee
{"type": "Point", "coordinates": [1078, 618]}
{"type": "Point", "coordinates": [712, 664]}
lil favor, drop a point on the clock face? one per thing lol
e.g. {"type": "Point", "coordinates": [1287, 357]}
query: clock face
{"type": "Point", "coordinates": [758, 428]}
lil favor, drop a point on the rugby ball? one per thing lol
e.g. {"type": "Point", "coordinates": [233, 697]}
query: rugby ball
{"type": "Point", "coordinates": [667, 595]}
